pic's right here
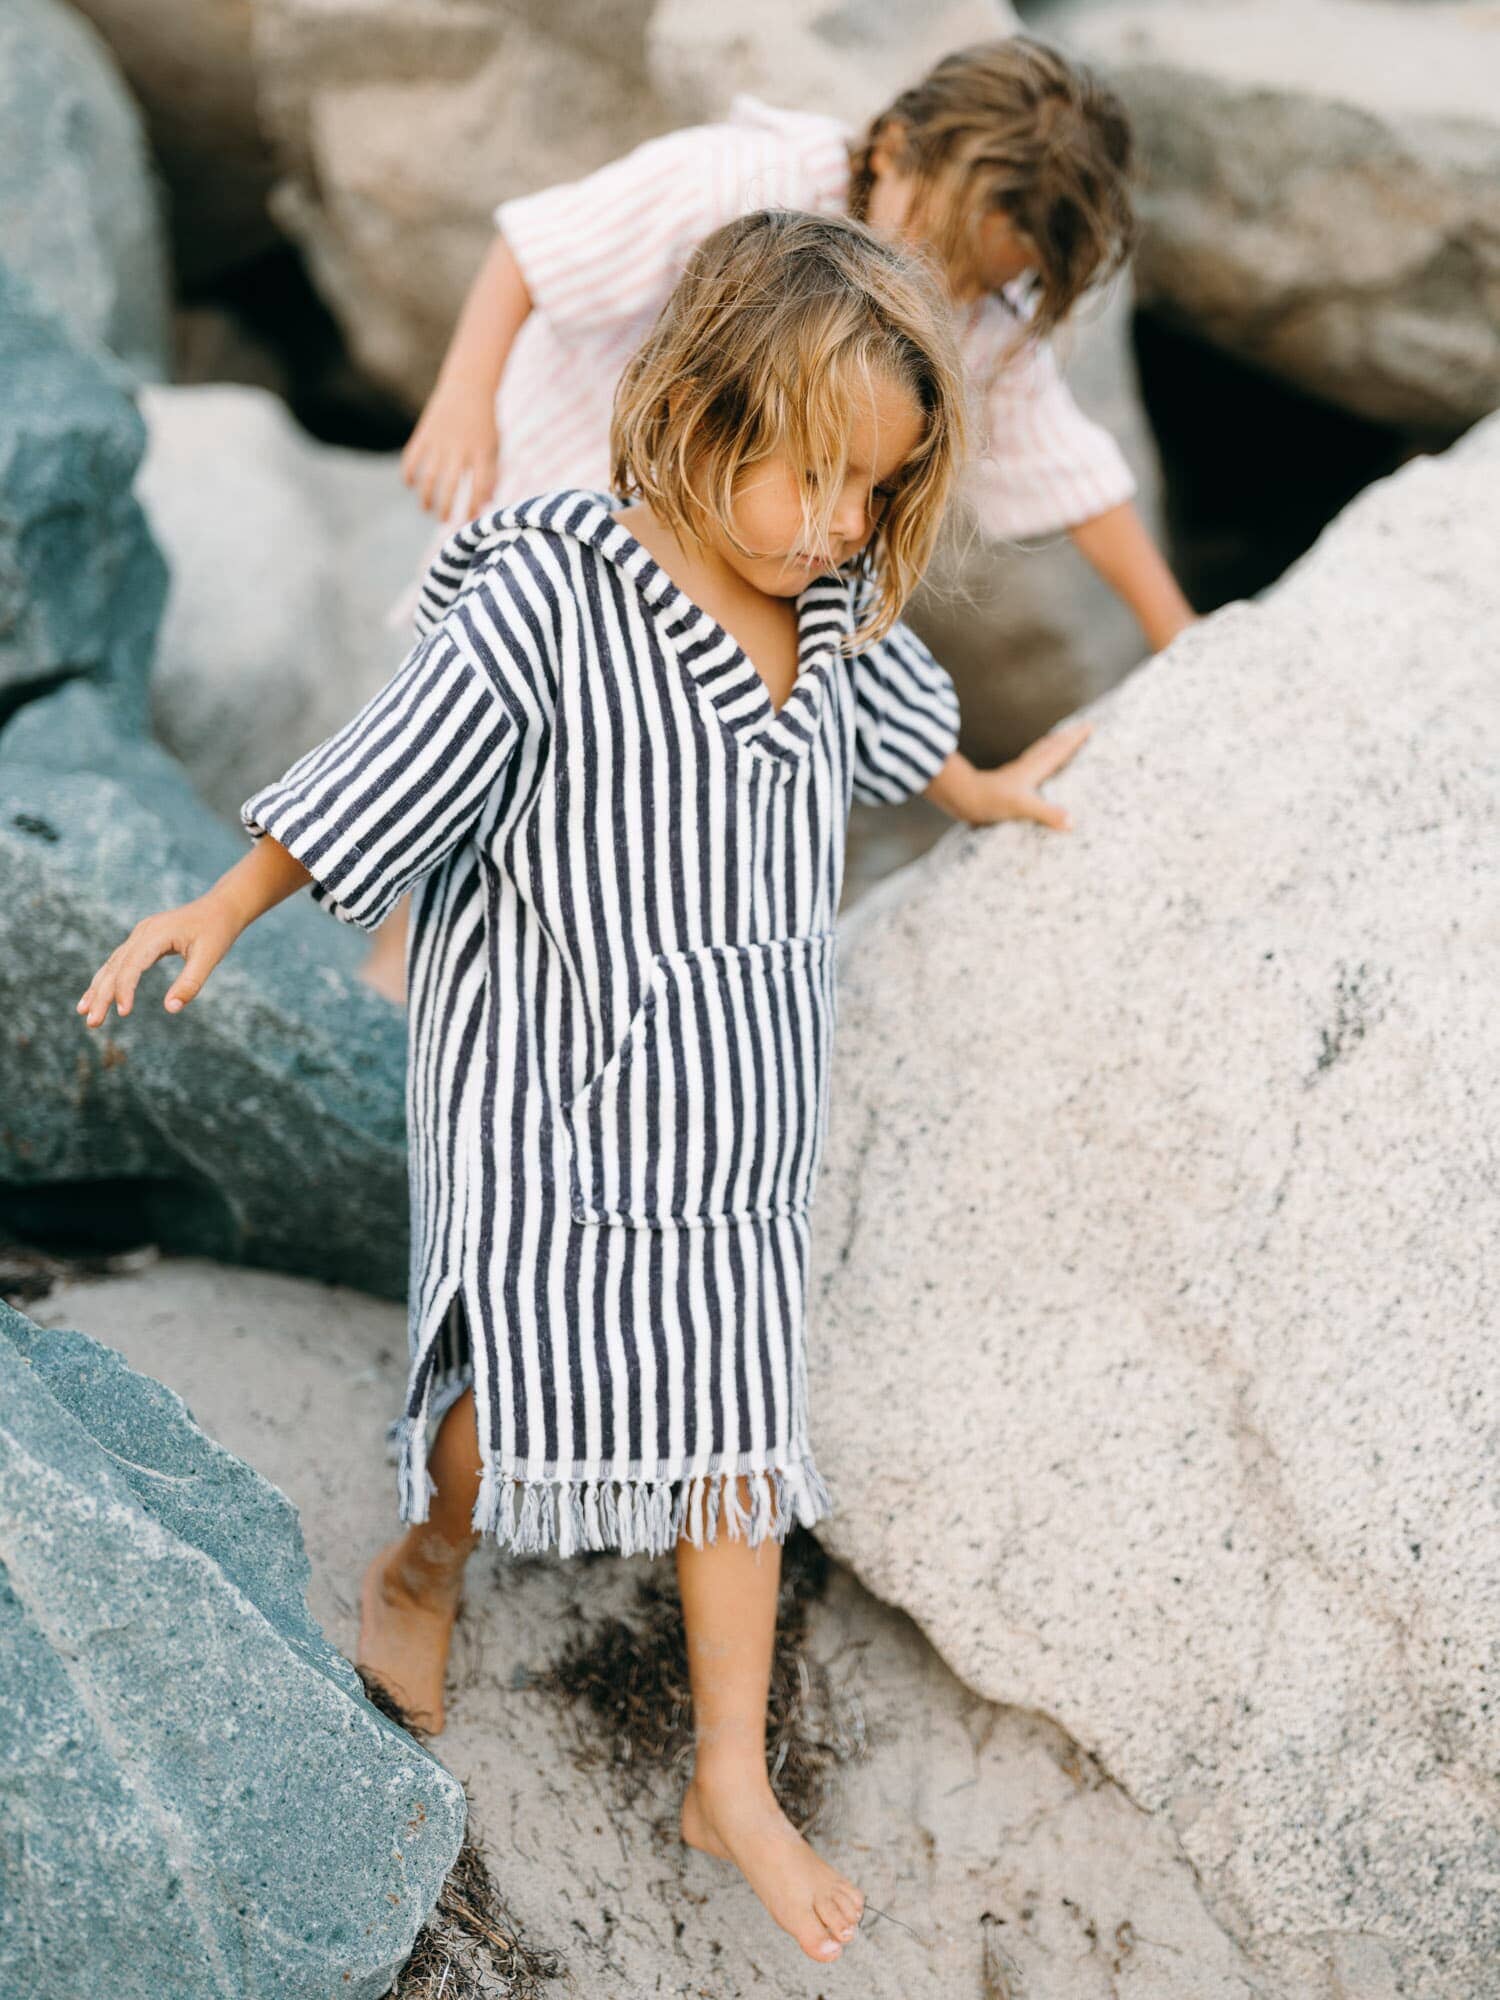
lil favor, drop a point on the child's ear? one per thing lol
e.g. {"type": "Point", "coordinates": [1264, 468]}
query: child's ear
{"type": "Point", "coordinates": [889, 147]}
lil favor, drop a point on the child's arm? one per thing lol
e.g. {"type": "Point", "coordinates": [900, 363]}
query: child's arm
{"type": "Point", "coordinates": [200, 932]}
{"type": "Point", "coordinates": [456, 434]}
{"type": "Point", "coordinates": [1120, 549]}
{"type": "Point", "coordinates": [1047, 465]}
{"type": "Point", "coordinates": [1011, 791]}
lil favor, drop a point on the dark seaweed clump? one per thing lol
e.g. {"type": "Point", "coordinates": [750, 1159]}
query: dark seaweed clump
{"type": "Point", "coordinates": [471, 1947]}
{"type": "Point", "coordinates": [625, 1682]}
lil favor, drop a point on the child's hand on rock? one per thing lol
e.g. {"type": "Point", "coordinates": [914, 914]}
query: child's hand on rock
{"type": "Point", "coordinates": [1010, 791]}
{"type": "Point", "coordinates": [199, 932]}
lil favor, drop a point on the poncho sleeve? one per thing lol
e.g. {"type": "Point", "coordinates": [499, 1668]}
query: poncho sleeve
{"type": "Point", "coordinates": [392, 793]}
{"type": "Point", "coordinates": [905, 718]}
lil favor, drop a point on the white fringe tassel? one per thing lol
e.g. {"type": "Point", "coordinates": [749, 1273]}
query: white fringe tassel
{"type": "Point", "coordinates": [528, 1517]}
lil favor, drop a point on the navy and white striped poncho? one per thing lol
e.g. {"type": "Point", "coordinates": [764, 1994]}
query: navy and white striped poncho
{"type": "Point", "coordinates": [626, 867]}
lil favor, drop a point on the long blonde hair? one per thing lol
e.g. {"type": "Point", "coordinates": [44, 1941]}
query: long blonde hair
{"type": "Point", "coordinates": [1013, 125]}
{"type": "Point", "coordinates": [772, 329]}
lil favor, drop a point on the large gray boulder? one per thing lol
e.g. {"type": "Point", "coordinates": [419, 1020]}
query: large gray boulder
{"type": "Point", "coordinates": [286, 556]}
{"type": "Point", "coordinates": [78, 213]}
{"type": "Point", "coordinates": [397, 128]}
{"type": "Point", "coordinates": [190, 65]}
{"type": "Point", "coordinates": [81, 584]}
{"type": "Point", "coordinates": [266, 1123]}
{"type": "Point", "coordinates": [199, 1800]}
{"type": "Point", "coordinates": [847, 61]}
{"type": "Point", "coordinates": [1322, 192]}
{"type": "Point", "coordinates": [1153, 1335]}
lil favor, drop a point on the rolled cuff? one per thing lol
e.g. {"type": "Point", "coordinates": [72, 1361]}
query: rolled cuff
{"type": "Point", "coordinates": [336, 872]}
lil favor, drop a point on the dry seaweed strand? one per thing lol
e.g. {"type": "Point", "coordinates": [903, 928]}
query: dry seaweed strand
{"type": "Point", "coordinates": [999, 1971]}
{"type": "Point", "coordinates": [625, 1684]}
{"type": "Point", "coordinates": [471, 1947]}
{"type": "Point", "coordinates": [28, 1274]}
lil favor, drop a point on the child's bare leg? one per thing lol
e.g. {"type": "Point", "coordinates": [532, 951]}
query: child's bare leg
{"type": "Point", "coordinates": [729, 1610]}
{"type": "Point", "coordinates": [385, 962]}
{"type": "Point", "coordinates": [411, 1590]}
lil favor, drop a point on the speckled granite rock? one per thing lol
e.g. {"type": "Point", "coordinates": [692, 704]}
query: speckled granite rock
{"type": "Point", "coordinates": [78, 215]}
{"type": "Point", "coordinates": [81, 584]}
{"type": "Point", "coordinates": [970, 1826]}
{"type": "Point", "coordinates": [199, 1800]}
{"type": "Point", "coordinates": [1153, 1361]}
{"type": "Point", "coordinates": [285, 556]}
{"type": "Point", "coordinates": [1323, 190]}
{"type": "Point", "coordinates": [266, 1123]}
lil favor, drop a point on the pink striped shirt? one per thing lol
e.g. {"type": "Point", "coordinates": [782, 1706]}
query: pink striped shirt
{"type": "Point", "coordinates": [600, 255]}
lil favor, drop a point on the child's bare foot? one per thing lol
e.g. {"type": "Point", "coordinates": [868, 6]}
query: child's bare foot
{"type": "Point", "coordinates": [407, 1605]}
{"type": "Point", "coordinates": [736, 1818]}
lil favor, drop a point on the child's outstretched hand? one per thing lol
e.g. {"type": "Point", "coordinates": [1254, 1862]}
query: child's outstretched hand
{"type": "Point", "coordinates": [456, 441]}
{"type": "Point", "coordinates": [200, 932]}
{"type": "Point", "coordinates": [1010, 791]}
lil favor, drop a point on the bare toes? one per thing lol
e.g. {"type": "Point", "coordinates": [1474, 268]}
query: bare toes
{"type": "Point", "coordinates": [833, 1917]}
{"type": "Point", "coordinates": [850, 1900]}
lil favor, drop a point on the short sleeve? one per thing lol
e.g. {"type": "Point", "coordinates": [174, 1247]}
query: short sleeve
{"type": "Point", "coordinates": [609, 248]}
{"type": "Point", "coordinates": [1044, 465]}
{"type": "Point", "coordinates": [905, 718]}
{"type": "Point", "coordinates": [398, 788]}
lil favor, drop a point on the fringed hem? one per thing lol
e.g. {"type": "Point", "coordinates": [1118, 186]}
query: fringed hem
{"type": "Point", "coordinates": [637, 1516]}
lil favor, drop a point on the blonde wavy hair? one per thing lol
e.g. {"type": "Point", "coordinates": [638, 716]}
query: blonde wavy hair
{"type": "Point", "coordinates": [779, 321]}
{"type": "Point", "coordinates": [1013, 125]}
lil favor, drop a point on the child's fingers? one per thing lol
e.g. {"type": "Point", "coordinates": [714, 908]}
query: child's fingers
{"type": "Point", "coordinates": [147, 943]}
{"type": "Point", "coordinates": [1046, 813]}
{"type": "Point", "coordinates": [95, 1003]}
{"type": "Point", "coordinates": [1049, 754]}
{"type": "Point", "coordinates": [188, 984]}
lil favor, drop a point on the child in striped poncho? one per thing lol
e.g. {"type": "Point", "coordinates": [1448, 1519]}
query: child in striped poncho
{"type": "Point", "coordinates": [615, 771]}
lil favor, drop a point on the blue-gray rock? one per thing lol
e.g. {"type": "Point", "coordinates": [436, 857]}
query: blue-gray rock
{"type": "Point", "coordinates": [199, 1802]}
{"type": "Point", "coordinates": [78, 203]}
{"type": "Point", "coordinates": [265, 1124]}
{"type": "Point", "coordinates": [81, 583]}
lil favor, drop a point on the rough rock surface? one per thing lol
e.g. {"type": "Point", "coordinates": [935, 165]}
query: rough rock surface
{"type": "Point", "coordinates": [1323, 190]}
{"type": "Point", "coordinates": [962, 1811]}
{"type": "Point", "coordinates": [190, 66]}
{"type": "Point", "coordinates": [199, 1800]}
{"type": "Point", "coordinates": [847, 60]}
{"type": "Point", "coordinates": [398, 126]}
{"type": "Point", "coordinates": [1163, 1254]}
{"type": "Point", "coordinates": [264, 1123]}
{"type": "Point", "coordinates": [78, 212]}
{"type": "Point", "coordinates": [285, 556]}
{"type": "Point", "coordinates": [81, 584]}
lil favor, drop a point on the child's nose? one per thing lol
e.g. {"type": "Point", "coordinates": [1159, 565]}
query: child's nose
{"type": "Point", "coordinates": [851, 521]}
